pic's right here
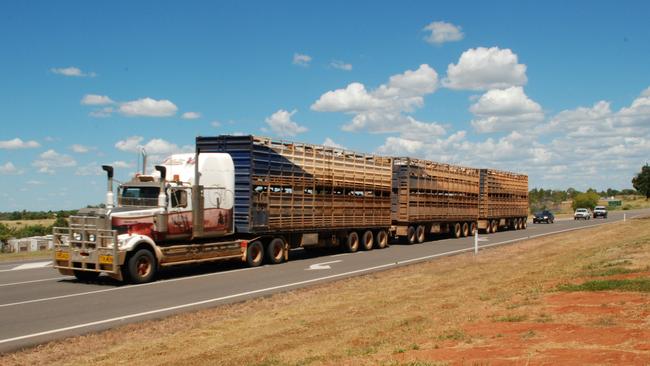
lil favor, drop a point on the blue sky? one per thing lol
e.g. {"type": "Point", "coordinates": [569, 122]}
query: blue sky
{"type": "Point", "coordinates": [558, 90]}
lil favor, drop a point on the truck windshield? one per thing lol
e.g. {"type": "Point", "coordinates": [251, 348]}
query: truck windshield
{"type": "Point", "coordinates": [139, 196]}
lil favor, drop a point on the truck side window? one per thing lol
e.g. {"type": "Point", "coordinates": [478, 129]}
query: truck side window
{"type": "Point", "coordinates": [179, 198]}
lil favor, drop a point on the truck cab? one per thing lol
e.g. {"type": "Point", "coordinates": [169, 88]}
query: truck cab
{"type": "Point", "coordinates": [157, 219]}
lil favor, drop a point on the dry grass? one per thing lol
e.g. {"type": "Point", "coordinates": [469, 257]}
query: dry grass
{"type": "Point", "coordinates": [39, 254]}
{"type": "Point", "coordinates": [19, 224]}
{"type": "Point", "coordinates": [405, 316]}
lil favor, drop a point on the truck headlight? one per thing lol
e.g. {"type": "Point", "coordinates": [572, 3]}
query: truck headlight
{"type": "Point", "coordinates": [76, 236]}
{"type": "Point", "coordinates": [91, 237]}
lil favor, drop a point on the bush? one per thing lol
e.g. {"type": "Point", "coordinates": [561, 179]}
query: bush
{"type": "Point", "coordinates": [586, 200]}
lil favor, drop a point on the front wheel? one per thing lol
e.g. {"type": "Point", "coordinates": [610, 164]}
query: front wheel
{"type": "Point", "coordinates": [142, 266]}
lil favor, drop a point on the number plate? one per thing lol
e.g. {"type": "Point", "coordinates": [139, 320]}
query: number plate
{"type": "Point", "coordinates": [63, 256]}
{"type": "Point", "coordinates": [106, 259]}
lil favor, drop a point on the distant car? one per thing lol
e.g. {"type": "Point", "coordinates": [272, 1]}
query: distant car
{"type": "Point", "coordinates": [582, 213]}
{"type": "Point", "coordinates": [600, 211]}
{"type": "Point", "coordinates": [544, 216]}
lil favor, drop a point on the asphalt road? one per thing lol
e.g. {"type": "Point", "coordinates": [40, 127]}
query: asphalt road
{"type": "Point", "coordinates": [37, 304]}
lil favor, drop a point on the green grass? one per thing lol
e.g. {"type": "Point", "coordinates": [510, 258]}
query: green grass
{"type": "Point", "coordinates": [635, 285]}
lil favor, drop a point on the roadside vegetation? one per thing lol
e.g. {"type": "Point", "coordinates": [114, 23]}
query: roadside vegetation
{"type": "Point", "coordinates": [573, 298]}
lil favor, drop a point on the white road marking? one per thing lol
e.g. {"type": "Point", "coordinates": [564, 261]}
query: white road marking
{"type": "Point", "coordinates": [324, 265]}
{"type": "Point", "coordinates": [32, 281]}
{"type": "Point", "coordinates": [32, 265]}
{"type": "Point", "coordinates": [232, 296]}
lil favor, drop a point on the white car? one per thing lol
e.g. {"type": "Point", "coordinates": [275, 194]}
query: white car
{"type": "Point", "coordinates": [582, 213]}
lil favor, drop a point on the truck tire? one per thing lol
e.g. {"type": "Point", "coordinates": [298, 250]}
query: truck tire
{"type": "Point", "coordinates": [381, 239]}
{"type": "Point", "coordinates": [420, 234]}
{"type": "Point", "coordinates": [142, 266]}
{"type": "Point", "coordinates": [255, 253]}
{"type": "Point", "coordinates": [275, 251]}
{"type": "Point", "coordinates": [410, 235]}
{"type": "Point", "coordinates": [524, 222]}
{"type": "Point", "coordinates": [352, 242]}
{"type": "Point", "coordinates": [472, 228]}
{"type": "Point", "coordinates": [366, 240]}
{"type": "Point", "coordinates": [86, 276]}
{"type": "Point", "coordinates": [494, 226]}
{"type": "Point", "coordinates": [465, 229]}
{"type": "Point", "coordinates": [457, 230]}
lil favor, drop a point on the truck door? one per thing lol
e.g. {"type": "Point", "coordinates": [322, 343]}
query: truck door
{"type": "Point", "coordinates": [180, 211]}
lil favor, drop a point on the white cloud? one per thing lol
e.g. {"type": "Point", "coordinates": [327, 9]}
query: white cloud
{"type": "Point", "coordinates": [301, 59]}
{"type": "Point", "coordinates": [191, 115]}
{"type": "Point", "coordinates": [442, 32]}
{"type": "Point", "coordinates": [89, 169]}
{"type": "Point", "coordinates": [122, 164]}
{"type": "Point", "coordinates": [505, 109]}
{"type": "Point", "coordinates": [383, 110]}
{"type": "Point", "coordinates": [94, 99]}
{"type": "Point", "coordinates": [486, 68]}
{"type": "Point", "coordinates": [281, 124]}
{"type": "Point", "coordinates": [215, 124]}
{"type": "Point", "coordinates": [34, 182]}
{"type": "Point", "coordinates": [102, 113]}
{"type": "Point", "coordinates": [50, 159]}
{"type": "Point", "coordinates": [80, 149]}
{"type": "Point", "coordinates": [148, 107]}
{"type": "Point", "coordinates": [72, 71]}
{"type": "Point", "coordinates": [130, 144]}
{"type": "Point", "coordinates": [331, 143]}
{"type": "Point", "coordinates": [17, 143]}
{"type": "Point", "coordinates": [337, 64]}
{"type": "Point", "coordinates": [9, 168]}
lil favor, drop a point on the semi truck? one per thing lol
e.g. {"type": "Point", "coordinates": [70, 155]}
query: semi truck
{"type": "Point", "coordinates": [252, 199]}
{"type": "Point", "coordinates": [245, 198]}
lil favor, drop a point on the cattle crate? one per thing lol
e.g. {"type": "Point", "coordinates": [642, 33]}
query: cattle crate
{"type": "Point", "coordinates": [283, 186]}
{"type": "Point", "coordinates": [503, 194]}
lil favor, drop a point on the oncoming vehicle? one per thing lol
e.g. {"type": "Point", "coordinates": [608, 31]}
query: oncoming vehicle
{"type": "Point", "coordinates": [582, 213]}
{"type": "Point", "coordinates": [544, 216]}
{"type": "Point", "coordinates": [600, 211]}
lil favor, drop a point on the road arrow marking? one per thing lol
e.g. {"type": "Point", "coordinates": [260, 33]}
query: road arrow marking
{"type": "Point", "coordinates": [32, 265]}
{"type": "Point", "coordinates": [323, 265]}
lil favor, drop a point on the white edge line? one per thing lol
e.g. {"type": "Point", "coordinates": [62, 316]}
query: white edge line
{"type": "Point", "coordinates": [227, 297]}
{"type": "Point", "coordinates": [32, 281]}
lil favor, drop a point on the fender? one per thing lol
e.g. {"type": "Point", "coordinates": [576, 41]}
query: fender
{"type": "Point", "coordinates": [128, 242]}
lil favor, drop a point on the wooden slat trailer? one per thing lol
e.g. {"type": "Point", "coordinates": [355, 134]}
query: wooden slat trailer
{"type": "Point", "coordinates": [503, 200]}
{"type": "Point", "coordinates": [307, 195]}
{"type": "Point", "coordinates": [430, 197]}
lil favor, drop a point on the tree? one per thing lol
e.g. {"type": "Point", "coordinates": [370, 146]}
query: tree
{"type": "Point", "coordinates": [586, 200]}
{"type": "Point", "coordinates": [642, 181]}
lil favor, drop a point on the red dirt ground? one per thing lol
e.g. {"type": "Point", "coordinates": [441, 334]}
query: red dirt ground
{"type": "Point", "coordinates": [583, 328]}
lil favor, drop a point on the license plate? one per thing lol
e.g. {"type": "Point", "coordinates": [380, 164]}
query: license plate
{"type": "Point", "coordinates": [106, 259]}
{"type": "Point", "coordinates": [63, 256]}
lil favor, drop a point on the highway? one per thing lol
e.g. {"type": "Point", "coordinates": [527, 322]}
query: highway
{"type": "Point", "coordinates": [38, 305]}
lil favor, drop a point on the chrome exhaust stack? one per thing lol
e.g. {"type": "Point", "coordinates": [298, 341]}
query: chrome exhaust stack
{"type": "Point", "coordinates": [109, 192]}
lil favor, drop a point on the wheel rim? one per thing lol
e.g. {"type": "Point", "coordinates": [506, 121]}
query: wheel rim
{"type": "Point", "coordinates": [353, 242]}
{"type": "Point", "coordinates": [465, 229]}
{"type": "Point", "coordinates": [256, 253]}
{"type": "Point", "coordinates": [143, 266]}
{"type": "Point", "coordinates": [382, 239]}
{"type": "Point", "coordinates": [411, 235]}
{"type": "Point", "coordinates": [367, 240]}
{"type": "Point", "coordinates": [277, 251]}
{"type": "Point", "coordinates": [457, 230]}
{"type": "Point", "coordinates": [420, 234]}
